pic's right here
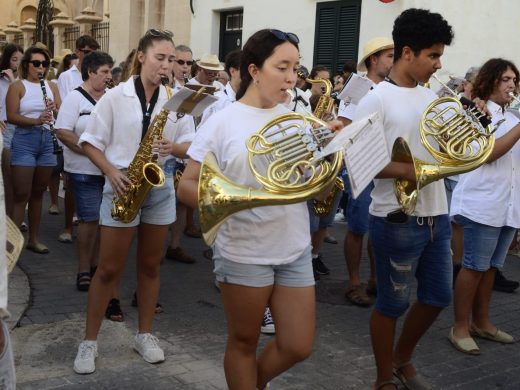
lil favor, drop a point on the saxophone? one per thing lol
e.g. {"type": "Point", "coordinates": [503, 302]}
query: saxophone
{"type": "Point", "coordinates": [323, 110]}
{"type": "Point", "coordinates": [143, 171]}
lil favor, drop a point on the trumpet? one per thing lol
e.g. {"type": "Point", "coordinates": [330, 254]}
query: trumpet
{"type": "Point", "coordinates": [57, 149]}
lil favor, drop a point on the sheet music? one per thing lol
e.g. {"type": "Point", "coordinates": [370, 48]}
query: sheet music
{"type": "Point", "coordinates": [366, 156]}
{"type": "Point", "coordinates": [191, 102]}
{"type": "Point", "coordinates": [355, 88]}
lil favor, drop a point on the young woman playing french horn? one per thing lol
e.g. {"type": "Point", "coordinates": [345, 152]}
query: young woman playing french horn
{"type": "Point", "coordinates": [111, 140]}
{"type": "Point", "coordinates": [262, 255]}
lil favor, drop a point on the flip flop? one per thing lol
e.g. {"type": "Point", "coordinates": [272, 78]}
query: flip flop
{"type": "Point", "coordinates": [37, 248]}
{"type": "Point", "coordinates": [417, 382]}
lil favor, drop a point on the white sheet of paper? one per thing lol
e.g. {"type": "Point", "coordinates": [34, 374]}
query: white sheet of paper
{"type": "Point", "coordinates": [366, 156]}
{"type": "Point", "coordinates": [355, 89]}
{"type": "Point", "coordinates": [184, 93]}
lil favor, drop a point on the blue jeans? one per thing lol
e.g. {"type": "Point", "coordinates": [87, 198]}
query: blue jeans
{"type": "Point", "coordinates": [419, 247]}
{"type": "Point", "coordinates": [88, 192]}
{"type": "Point", "coordinates": [32, 147]}
{"type": "Point", "coordinates": [484, 246]}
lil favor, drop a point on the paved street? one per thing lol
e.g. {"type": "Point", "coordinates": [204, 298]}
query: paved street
{"type": "Point", "coordinates": [193, 334]}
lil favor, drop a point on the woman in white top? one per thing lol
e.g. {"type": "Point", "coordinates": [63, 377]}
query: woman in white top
{"type": "Point", "coordinates": [262, 255]}
{"type": "Point", "coordinates": [485, 203]}
{"type": "Point", "coordinates": [85, 178]}
{"type": "Point", "coordinates": [111, 140]}
{"type": "Point", "coordinates": [32, 157]}
{"type": "Point", "coordinates": [9, 63]}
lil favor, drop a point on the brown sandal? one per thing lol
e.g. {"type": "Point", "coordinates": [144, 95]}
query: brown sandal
{"type": "Point", "coordinates": [357, 296]}
{"type": "Point", "coordinates": [383, 384]}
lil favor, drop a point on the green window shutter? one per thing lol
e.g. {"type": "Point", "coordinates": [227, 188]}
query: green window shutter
{"type": "Point", "coordinates": [337, 33]}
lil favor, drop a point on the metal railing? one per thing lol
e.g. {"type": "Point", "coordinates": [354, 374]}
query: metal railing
{"type": "Point", "coordinates": [71, 34]}
{"type": "Point", "coordinates": [100, 32]}
{"type": "Point", "coordinates": [18, 39]}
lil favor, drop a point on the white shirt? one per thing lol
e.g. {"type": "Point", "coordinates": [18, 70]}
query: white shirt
{"type": "Point", "coordinates": [69, 80]}
{"type": "Point", "coordinates": [401, 110]}
{"type": "Point", "coordinates": [31, 103]}
{"type": "Point", "coordinates": [297, 105]}
{"type": "Point", "coordinates": [4, 86]}
{"type": "Point", "coordinates": [489, 195]}
{"type": "Point", "coordinates": [347, 109]}
{"type": "Point", "coordinates": [261, 235]}
{"type": "Point", "coordinates": [73, 116]}
{"type": "Point", "coordinates": [225, 98]}
{"type": "Point", "coordinates": [115, 124]}
{"type": "Point", "coordinates": [3, 258]}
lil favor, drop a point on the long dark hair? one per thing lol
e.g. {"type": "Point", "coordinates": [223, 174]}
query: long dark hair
{"type": "Point", "coordinates": [7, 53]}
{"type": "Point", "coordinates": [259, 47]}
{"type": "Point", "coordinates": [489, 76]}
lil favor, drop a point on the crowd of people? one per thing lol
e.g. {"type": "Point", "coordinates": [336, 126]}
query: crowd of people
{"type": "Point", "coordinates": [265, 287]}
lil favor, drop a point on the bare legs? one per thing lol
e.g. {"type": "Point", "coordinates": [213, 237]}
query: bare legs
{"type": "Point", "coordinates": [293, 310]}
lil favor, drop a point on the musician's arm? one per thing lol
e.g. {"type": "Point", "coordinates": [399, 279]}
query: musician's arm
{"type": "Point", "coordinates": [397, 170]}
{"type": "Point", "coordinates": [504, 144]}
{"type": "Point", "coordinates": [188, 191]}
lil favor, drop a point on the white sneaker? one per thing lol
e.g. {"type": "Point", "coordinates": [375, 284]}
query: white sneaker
{"type": "Point", "coordinates": [85, 362]}
{"type": "Point", "coordinates": [148, 347]}
{"type": "Point", "coordinates": [267, 323]}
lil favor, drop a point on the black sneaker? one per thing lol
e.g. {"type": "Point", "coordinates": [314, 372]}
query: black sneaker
{"type": "Point", "coordinates": [267, 323]}
{"type": "Point", "coordinates": [503, 284]}
{"type": "Point", "coordinates": [319, 266]}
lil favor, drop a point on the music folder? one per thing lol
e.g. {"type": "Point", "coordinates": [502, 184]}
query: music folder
{"type": "Point", "coordinates": [356, 87]}
{"type": "Point", "coordinates": [191, 99]}
{"type": "Point", "coordinates": [365, 150]}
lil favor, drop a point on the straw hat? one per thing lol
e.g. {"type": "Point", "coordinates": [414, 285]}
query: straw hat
{"type": "Point", "coordinates": [14, 243]}
{"type": "Point", "coordinates": [210, 62]}
{"type": "Point", "coordinates": [372, 47]}
{"type": "Point", "coordinates": [59, 57]}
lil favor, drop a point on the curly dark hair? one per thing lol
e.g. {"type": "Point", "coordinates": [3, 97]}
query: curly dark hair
{"type": "Point", "coordinates": [489, 76]}
{"type": "Point", "coordinates": [9, 50]}
{"type": "Point", "coordinates": [419, 29]}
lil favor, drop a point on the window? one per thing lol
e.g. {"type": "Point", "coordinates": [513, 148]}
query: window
{"type": "Point", "coordinates": [234, 22]}
{"type": "Point", "coordinates": [230, 32]}
{"type": "Point", "coordinates": [336, 37]}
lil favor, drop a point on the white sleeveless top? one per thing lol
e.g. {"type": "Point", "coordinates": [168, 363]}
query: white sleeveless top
{"type": "Point", "coordinates": [31, 104]}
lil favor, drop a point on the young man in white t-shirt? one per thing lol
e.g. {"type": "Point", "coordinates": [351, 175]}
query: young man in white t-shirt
{"type": "Point", "coordinates": [407, 246]}
{"type": "Point", "coordinates": [377, 60]}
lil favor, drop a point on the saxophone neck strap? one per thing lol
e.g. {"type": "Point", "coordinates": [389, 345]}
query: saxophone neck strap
{"type": "Point", "coordinates": [147, 111]}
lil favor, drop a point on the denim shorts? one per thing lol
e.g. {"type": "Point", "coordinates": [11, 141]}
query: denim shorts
{"type": "Point", "coordinates": [357, 209]}
{"type": "Point", "coordinates": [8, 135]}
{"type": "Point", "coordinates": [316, 222]}
{"type": "Point", "coordinates": [295, 274]}
{"type": "Point", "coordinates": [419, 247]}
{"type": "Point", "coordinates": [157, 209]}
{"type": "Point", "coordinates": [88, 192]}
{"type": "Point", "coordinates": [484, 246]}
{"type": "Point", "coordinates": [32, 147]}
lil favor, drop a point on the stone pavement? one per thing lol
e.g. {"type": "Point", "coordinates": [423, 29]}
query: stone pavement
{"type": "Point", "coordinates": [193, 334]}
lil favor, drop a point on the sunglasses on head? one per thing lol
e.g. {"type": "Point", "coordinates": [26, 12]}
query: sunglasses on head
{"type": "Point", "coordinates": [182, 62]}
{"type": "Point", "coordinates": [286, 36]}
{"type": "Point", "coordinates": [38, 63]}
{"type": "Point", "coordinates": [160, 33]}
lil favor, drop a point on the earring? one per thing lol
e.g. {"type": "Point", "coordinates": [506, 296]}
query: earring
{"type": "Point", "coordinates": [256, 81]}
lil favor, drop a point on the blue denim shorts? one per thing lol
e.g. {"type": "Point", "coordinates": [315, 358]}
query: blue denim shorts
{"type": "Point", "coordinates": [357, 209]}
{"type": "Point", "coordinates": [157, 209]}
{"type": "Point", "coordinates": [8, 135]}
{"type": "Point", "coordinates": [32, 147]}
{"type": "Point", "coordinates": [88, 192]}
{"type": "Point", "coordinates": [295, 274]}
{"type": "Point", "coordinates": [419, 247]}
{"type": "Point", "coordinates": [484, 246]}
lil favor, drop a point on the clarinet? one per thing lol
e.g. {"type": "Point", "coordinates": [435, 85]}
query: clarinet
{"type": "Point", "coordinates": [57, 148]}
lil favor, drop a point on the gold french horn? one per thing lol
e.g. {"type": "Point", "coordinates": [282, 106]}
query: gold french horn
{"type": "Point", "coordinates": [280, 156]}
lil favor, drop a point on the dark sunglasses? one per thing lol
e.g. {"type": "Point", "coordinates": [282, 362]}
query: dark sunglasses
{"type": "Point", "coordinates": [38, 63]}
{"type": "Point", "coordinates": [160, 33]}
{"type": "Point", "coordinates": [182, 62]}
{"type": "Point", "coordinates": [286, 36]}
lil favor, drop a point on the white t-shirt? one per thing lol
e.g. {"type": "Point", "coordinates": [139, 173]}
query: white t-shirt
{"type": "Point", "coordinates": [68, 81]}
{"type": "Point", "coordinates": [225, 98]}
{"type": "Point", "coordinates": [4, 86]}
{"type": "Point", "coordinates": [297, 105]}
{"type": "Point", "coordinates": [489, 194]}
{"type": "Point", "coordinates": [115, 124]}
{"type": "Point", "coordinates": [261, 235]}
{"type": "Point", "coordinates": [401, 110]}
{"type": "Point", "coordinates": [347, 109]}
{"type": "Point", "coordinates": [74, 115]}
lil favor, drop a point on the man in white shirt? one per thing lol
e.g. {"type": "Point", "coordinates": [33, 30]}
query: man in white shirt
{"type": "Point", "coordinates": [182, 66]}
{"type": "Point", "coordinates": [209, 66]}
{"type": "Point", "coordinates": [71, 79]}
{"type": "Point", "coordinates": [377, 61]}
{"type": "Point", "coordinates": [408, 246]}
